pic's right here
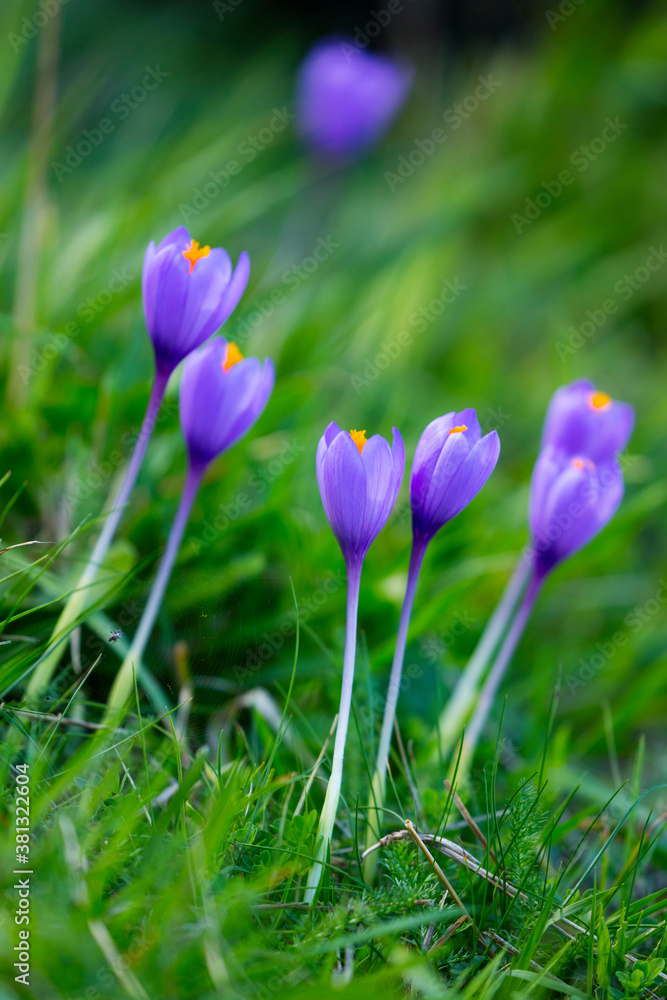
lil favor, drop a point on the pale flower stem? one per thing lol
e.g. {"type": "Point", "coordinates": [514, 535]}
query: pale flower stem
{"type": "Point", "coordinates": [453, 718]}
{"type": "Point", "coordinates": [330, 807]}
{"type": "Point", "coordinates": [122, 686]}
{"type": "Point", "coordinates": [77, 601]}
{"type": "Point", "coordinates": [492, 682]}
{"type": "Point", "coordinates": [380, 777]}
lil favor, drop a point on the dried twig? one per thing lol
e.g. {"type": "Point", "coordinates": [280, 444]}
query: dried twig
{"type": "Point", "coordinates": [436, 867]}
{"type": "Point", "coordinates": [463, 809]}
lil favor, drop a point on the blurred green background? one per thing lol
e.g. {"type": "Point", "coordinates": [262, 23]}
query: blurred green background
{"type": "Point", "coordinates": [473, 278]}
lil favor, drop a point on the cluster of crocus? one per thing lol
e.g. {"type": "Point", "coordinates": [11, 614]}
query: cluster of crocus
{"type": "Point", "coordinates": [359, 481]}
{"type": "Point", "coordinates": [189, 291]}
{"type": "Point", "coordinates": [576, 487]}
{"type": "Point", "coordinates": [347, 97]}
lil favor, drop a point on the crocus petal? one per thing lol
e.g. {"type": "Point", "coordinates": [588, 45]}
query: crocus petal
{"type": "Point", "coordinates": [468, 419]}
{"type": "Point", "coordinates": [452, 462]}
{"type": "Point", "coordinates": [547, 467]}
{"type": "Point", "coordinates": [185, 301]}
{"type": "Point", "coordinates": [206, 290]}
{"type": "Point", "coordinates": [179, 237]}
{"type": "Point", "coordinates": [170, 297]}
{"type": "Point", "coordinates": [218, 407]}
{"type": "Point", "coordinates": [470, 477]}
{"type": "Point", "coordinates": [345, 488]}
{"type": "Point", "coordinates": [428, 449]}
{"type": "Point", "coordinates": [577, 499]}
{"type": "Point", "coordinates": [451, 457]}
{"type": "Point", "coordinates": [358, 490]}
{"type": "Point", "coordinates": [330, 433]}
{"type": "Point", "coordinates": [377, 461]}
{"type": "Point", "coordinates": [235, 289]}
{"type": "Point", "coordinates": [575, 424]}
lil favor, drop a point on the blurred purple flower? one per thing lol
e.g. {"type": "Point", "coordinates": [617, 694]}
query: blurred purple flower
{"type": "Point", "coordinates": [189, 292]}
{"type": "Point", "coordinates": [358, 481]}
{"type": "Point", "coordinates": [222, 395]}
{"type": "Point", "coordinates": [583, 421]}
{"type": "Point", "coordinates": [571, 500]}
{"type": "Point", "coordinates": [451, 464]}
{"type": "Point", "coordinates": [346, 98]}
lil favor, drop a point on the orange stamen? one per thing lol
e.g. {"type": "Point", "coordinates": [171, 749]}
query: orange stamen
{"type": "Point", "coordinates": [359, 438]}
{"type": "Point", "coordinates": [599, 400]}
{"type": "Point", "coordinates": [194, 253]}
{"type": "Point", "coordinates": [232, 357]}
{"type": "Point", "coordinates": [459, 429]}
{"type": "Point", "coordinates": [582, 463]}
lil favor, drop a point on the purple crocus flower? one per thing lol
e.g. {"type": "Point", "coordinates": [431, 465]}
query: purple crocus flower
{"type": "Point", "coordinates": [358, 481]}
{"type": "Point", "coordinates": [452, 463]}
{"type": "Point", "coordinates": [576, 488]}
{"type": "Point", "coordinates": [347, 97]}
{"type": "Point", "coordinates": [581, 420]}
{"type": "Point", "coordinates": [189, 292]}
{"type": "Point", "coordinates": [571, 500]}
{"type": "Point", "coordinates": [222, 395]}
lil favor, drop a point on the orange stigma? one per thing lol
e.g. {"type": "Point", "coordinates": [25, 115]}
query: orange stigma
{"type": "Point", "coordinates": [194, 253]}
{"type": "Point", "coordinates": [359, 438]}
{"type": "Point", "coordinates": [232, 357]}
{"type": "Point", "coordinates": [582, 463]}
{"type": "Point", "coordinates": [599, 400]}
{"type": "Point", "coordinates": [458, 430]}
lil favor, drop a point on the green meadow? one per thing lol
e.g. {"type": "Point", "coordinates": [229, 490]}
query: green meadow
{"type": "Point", "coordinates": [505, 237]}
